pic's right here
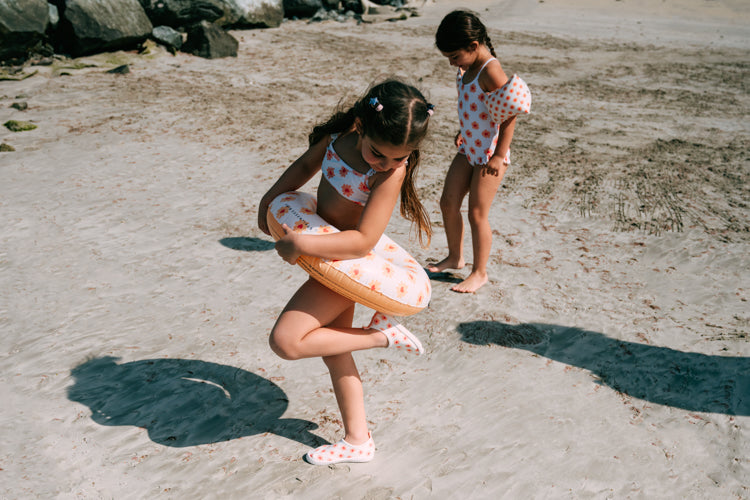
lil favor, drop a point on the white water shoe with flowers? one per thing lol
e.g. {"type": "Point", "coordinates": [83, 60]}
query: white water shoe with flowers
{"type": "Point", "coordinates": [398, 336]}
{"type": "Point", "coordinates": [342, 452]}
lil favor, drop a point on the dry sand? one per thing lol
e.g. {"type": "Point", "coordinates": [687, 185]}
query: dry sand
{"type": "Point", "coordinates": [607, 358]}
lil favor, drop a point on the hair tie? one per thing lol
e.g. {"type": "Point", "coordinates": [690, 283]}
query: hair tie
{"type": "Point", "coordinates": [375, 104]}
{"type": "Point", "coordinates": [430, 109]}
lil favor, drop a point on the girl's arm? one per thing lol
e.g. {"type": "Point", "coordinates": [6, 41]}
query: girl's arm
{"type": "Point", "coordinates": [353, 243]}
{"type": "Point", "coordinates": [506, 136]}
{"type": "Point", "coordinates": [492, 78]}
{"type": "Point", "coordinates": [294, 177]}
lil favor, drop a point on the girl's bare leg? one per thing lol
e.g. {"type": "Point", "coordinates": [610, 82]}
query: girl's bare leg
{"type": "Point", "coordinates": [301, 331]}
{"type": "Point", "coordinates": [484, 185]}
{"type": "Point", "coordinates": [457, 184]}
{"type": "Point", "coordinates": [347, 386]}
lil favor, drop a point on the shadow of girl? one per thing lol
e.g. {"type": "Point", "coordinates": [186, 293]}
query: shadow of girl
{"type": "Point", "coordinates": [185, 402]}
{"type": "Point", "coordinates": [688, 380]}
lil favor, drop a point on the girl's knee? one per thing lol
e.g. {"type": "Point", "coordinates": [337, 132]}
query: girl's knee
{"type": "Point", "coordinates": [282, 347]}
{"type": "Point", "coordinates": [450, 203]}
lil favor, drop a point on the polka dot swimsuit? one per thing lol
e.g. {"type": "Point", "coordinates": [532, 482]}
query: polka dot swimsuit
{"type": "Point", "coordinates": [480, 114]}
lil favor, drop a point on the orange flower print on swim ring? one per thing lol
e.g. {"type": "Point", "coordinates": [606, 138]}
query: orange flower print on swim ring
{"type": "Point", "coordinates": [282, 212]}
{"type": "Point", "coordinates": [355, 271]}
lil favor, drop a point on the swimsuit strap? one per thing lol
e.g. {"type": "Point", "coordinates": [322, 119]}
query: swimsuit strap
{"type": "Point", "coordinates": [483, 65]}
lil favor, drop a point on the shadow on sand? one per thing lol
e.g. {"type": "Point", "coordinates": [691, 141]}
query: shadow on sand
{"type": "Point", "coordinates": [687, 380]}
{"type": "Point", "coordinates": [185, 402]}
{"type": "Point", "coordinates": [247, 244]}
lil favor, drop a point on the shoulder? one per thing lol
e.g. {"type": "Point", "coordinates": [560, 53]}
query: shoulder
{"type": "Point", "coordinates": [393, 178]}
{"type": "Point", "coordinates": [492, 77]}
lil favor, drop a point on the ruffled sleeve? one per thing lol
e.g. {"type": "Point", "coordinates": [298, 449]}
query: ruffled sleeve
{"type": "Point", "coordinates": [512, 99]}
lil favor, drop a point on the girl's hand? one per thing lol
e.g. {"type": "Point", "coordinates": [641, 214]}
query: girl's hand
{"type": "Point", "coordinates": [287, 246]}
{"type": "Point", "coordinates": [496, 167]}
{"type": "Point", "coordinates": [458, 140]}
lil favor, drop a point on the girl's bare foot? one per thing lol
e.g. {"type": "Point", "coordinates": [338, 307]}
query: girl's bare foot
{"type": "Point", "coordinates": [472, 283]}
{"type": "Point", "coordinates": [447, 263]}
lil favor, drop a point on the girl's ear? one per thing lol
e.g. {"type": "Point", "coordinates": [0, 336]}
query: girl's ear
{"type": "Point", "coordinates": [473, 46]}
{"type": "Point", "coordinates": [358, 126]}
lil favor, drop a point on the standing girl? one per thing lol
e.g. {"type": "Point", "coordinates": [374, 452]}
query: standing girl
{"type": "Point", "coordinates": [374, 146]}
{"type": "Point", "coordinates": [487, 105]}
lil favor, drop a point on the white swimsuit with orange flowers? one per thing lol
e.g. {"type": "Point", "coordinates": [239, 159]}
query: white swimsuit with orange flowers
{"type": "Point", "coordinates": [480, 129]}
{"type": "Point", "coordinates": [349, 183]}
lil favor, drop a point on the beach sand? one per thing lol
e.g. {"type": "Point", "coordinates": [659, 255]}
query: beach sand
{"type": "Point", "coordinates": [608, 357]}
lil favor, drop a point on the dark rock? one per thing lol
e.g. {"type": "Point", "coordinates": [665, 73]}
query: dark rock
{"type": "Point", "coordinates": [23, 24]}
{"type": "Point", "coordinates": [181, 13]}
{"type": "Point", "coordinates": [302, 8]}
{"type": "Point", "coordinates": [123, 69]}
{"type": "Point", "coordinates": [210, 41]}
{"type": "Point", "coordinates": [20, 106]}
{"type": "Point", "coordinates": [89, 26]}
{"type": "Point", "coordinates": [168, 37]}
{"type": "Point", "coordinates": [6, 148]}
{"type": "Point", "coordinates": [352, 5]}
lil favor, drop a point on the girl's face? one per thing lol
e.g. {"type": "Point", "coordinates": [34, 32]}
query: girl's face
{"type": "Point", "coordinates": [383, 156]}
{"type": "Point", "coordinates": [463, 58]}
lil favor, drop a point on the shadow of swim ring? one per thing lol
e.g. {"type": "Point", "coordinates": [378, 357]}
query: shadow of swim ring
{"type": "Point", "coordinates": [183, 402]}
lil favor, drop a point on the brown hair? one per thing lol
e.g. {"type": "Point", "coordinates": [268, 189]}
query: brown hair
{"type": "Point", "coordinates": [396, 113]}
{"type": "Point", "coordinates": [458, 29]}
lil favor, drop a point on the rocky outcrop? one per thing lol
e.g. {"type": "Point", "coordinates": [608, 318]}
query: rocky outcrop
{"type": "Point", "coordinates": [36, 29]}
{"type": "Point", "coordinates": [89, 26]}
{"type": "Point", "coordinates": [23, 24]}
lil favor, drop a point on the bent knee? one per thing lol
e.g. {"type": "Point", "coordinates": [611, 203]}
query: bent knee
{"type": "Point", "coordinates": [282, 347]}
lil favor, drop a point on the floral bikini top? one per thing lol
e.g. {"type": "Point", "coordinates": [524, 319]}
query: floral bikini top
{"type": "Point", "coordinates": [349, 183]}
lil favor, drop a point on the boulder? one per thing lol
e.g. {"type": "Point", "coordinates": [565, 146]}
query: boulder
{"type": "Point", "coordinates": [89, 26]}
{"type": "Point", "coordinates": [182, 13]}
{"type": "Point", "coordinates": [302, 8]}
{"type": "Point", "coordinates": [168, 37]}
{"type": "Point", "coordinates": [22, 26]}
{"type": "Point", "coordinates": [210, 41]}
{"type": "Point", "coordinates": [252, 13]}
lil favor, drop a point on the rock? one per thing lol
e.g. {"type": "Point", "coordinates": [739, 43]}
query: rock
{"type": "Point", "coordinates": [168, 37]}
{"type": "Point", "coordinates": [181, 13]}
{"type": "Point", "coordinates": [302, 8]}
{"type": "Point", "coordinates": [20, 105]}
{"type": "Point", "coordinates": [23, 24]}
{"type": "Point", "coordinates": [5, 148]}
{"type": "Point", "coordinates": [252, 13]}
{"type": "Point", "coordinates": [352, 5]}
{"type": "Point", "coordinates": [18, 126]}
{"type": "Point", "coordinates": [89, 26]}
{"type": "Point", "coordinates": [123, 69]}
{"type": "Point", "coordinates": [210, 41]}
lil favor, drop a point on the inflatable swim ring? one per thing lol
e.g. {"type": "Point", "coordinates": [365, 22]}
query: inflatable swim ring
{"type": "Point", "coordinates": [387, 279]}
